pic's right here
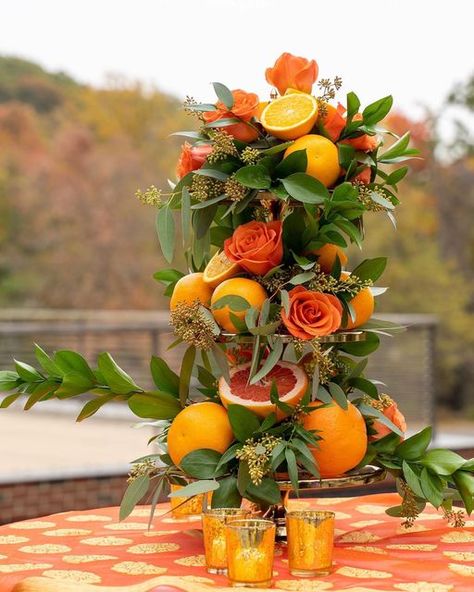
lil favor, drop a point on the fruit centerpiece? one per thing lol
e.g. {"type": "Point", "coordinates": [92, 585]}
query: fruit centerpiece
{"type": "Point", "coordinates": [276, 323]}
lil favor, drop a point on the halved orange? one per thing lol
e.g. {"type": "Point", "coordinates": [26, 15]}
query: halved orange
{"type": "Point", "coordinates": [220, 268]}
{"type": "Point", "coordinates": [290, 116]}
{"type": "Point", "coordinates": [291, 381]}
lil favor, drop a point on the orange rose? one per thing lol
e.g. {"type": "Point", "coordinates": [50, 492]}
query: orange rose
{"type": "Point", "coordinates": [245, 107]}
{"type": "Point", "coordinates": [363, 177]}
{"type": "Point", "coordinates": [312, 314]}
{"type": "Point", "coordinates": [191, 158]}
{"type": "Point", "coordinates": [291, 71]}
{"type": "Point", "coordinates": [256, 246]}
{"type": "Point", "coordinates": [391, 412]}
{"type": "Point", "coordinates": [333, 121]}
{"type": "Point", "coordinates": [365, 142]}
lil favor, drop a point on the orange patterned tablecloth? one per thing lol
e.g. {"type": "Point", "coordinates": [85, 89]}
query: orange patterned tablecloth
{"type": "Point", "coordinates": [373, 551]}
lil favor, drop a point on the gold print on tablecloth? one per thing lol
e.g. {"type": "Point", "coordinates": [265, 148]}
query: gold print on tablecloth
{"type": "Point", "coordinates": [67, 532]}
{"type": "Point", "coordinates": [18, 567]}
{"type": "Point", "coordinates": [106, 541]}
{"type": "Point", "coordinates": [303, 585]}
{"type": "Point", "coordinates": [12, 539]}
{"type": "Point", "coordinates": [424, 587]}
{"type": "Point", "coordinates": [138, 568]}
{"type": "Point", "coordinates": [458, 536]}
{"type": "Point", "coordinates": [149, 548]}
{"type": "Point", "coordinates": [160, 533]}
{"type": "Point", "coordinates": [76, 559]}
{"type": "Point", "coordinates": [145, 512]}
{"type": "Point", "coordinates": [460, 555]}
{"type": "Point", "coordinates": [358, 536]}
{"type": "Point", "coordinates": [89, 518]}
{"type": "Point", "coordinates": [364, 523]}
{"type": "Point", "coordinates": [127, 526]}
{"type": "Point", "coordinates": [32, 525]}
{"type": "Point", "coordinates": [359, 572]}
{"type": "Point", "coordinates": [73, 576]}
{"type": "Point", "coordinates": [413, 547]}
{"type": "Point", "coordinates": [462, 570]}
{"type": "Point", "coordinates": [192, 561]}
{"type": "Point", "coordinates": [368, 549]}
{"type": "Point", "coordinates": [370, 509]}
{"type": "Point", "coordinates": [45, 549]}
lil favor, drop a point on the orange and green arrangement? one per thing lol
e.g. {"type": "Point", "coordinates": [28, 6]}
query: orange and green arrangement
{"type": "Point", "coordinates": [276, 325]}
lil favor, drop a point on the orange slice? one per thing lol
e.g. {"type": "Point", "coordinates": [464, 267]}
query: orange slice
{"type": "Point", "coordinates": [290, 379]}
{"type": "Point", "coordinates": [290, 116]}
{"type": "Point", "coordinates": [219, 268]}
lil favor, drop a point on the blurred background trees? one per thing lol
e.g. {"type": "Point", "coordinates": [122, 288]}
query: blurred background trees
{"type": "Point", "coordinates": [73, 236]}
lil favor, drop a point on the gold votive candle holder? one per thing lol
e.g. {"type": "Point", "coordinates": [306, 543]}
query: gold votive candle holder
{"type": "Point", "coordinates": [213, 528]}
{"type": "Point", "coordinates": [186, 506]}
{"type": "Point", "coordinates": [310, 535]}
{"type": "Point", "coordinates": [250, 550]}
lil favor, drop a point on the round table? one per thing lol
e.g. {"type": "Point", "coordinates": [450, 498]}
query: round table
{"type": "Point", "coordinates": [373, 552]}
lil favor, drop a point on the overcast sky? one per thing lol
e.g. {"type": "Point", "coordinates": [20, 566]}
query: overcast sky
{"type": "Point", "coordinates": [414, 49]}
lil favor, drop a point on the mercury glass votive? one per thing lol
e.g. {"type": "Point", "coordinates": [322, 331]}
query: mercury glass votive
{"type": "Point", "coordinates": [186, 506]}
{"type": "Point", "coordinates": [250, 550]}
{"type": "Point", "coordinates": [213, 528]}
{"type": "Point", "coordinates": [310, 535]}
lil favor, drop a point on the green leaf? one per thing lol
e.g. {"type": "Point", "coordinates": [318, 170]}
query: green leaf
{"type": "Point", "coordinates": [227, 496]}
{"type": "Point", "coordinates": [185, 215]}
{"type": "Point", "coordinates": [201, 463]}
{"type": "Point", "coordinates": [209, 202]}
{"type": "Point", "coordinates": [338, 395]}
{"type": "Point", "coordinates": [27, 372]}
{"type": "Point", "coordinates": [364, 385]}
{"type": "Point", "coordinates": [46, 362]}
{"type": "Point", "coordinates": [93, 406]}
{"type": "Point", "coordinates": [353, 104]}
{"type": "Point", "coordinates": [235, 303]}
{"type": "Point", "coordinates": [222, 361]}
{"type": "Point", "coordinates": [296, 162]}
{"type": "Point", "coordinates": [272, 359]}
{"type": "Point", "coordinates": [415, 446]}
{"type": "Point", "coordinates": [154, 405]}
{"type": "Point", "coordinates": [324, 395]}
{"type": "Point", "coordinates": [163, 377]}
{"type": "Point", "coordinates": [412, 479]}
{"type": "Point", "coordinates": [375, 112]}
{"type": "Point", "coordinates": [285, 301]}
{"type": "Point", "coordinates": [41, 391]}
{"type": "Point", "coordinates": [254, 176]}
{"type": "Point", "coordinates": [266, 492]}
{"type": "Point", "coordinates": [277, 148]}
{"type": "Point", "coordinates": [223, 94]}
{"type": "Point", "coordinates": [442, 462]}
{"type": "Point", "coordinates": [396, 176]}
{"type": "Point", "coordinates": [118, 380]}
{"type": "Point", "coordinates": [228, 455]}
{"type": "Point", "coordinates": [165, 229]}
{"type": "Point", "coordinates": [370, 411]}
{"type": "Point", "coordinates": [74, 384]}
{"type": "Point", "coordinates": [196, 488]}
{"type": "Point", "coordinates": [168, 275]}
{"type": "Point", "coordinates": [432, 487]}
{"type": "Point", "coordinates": [133, 494]}
{"type": "Point", "coordinates": [370, 269]}
{"type": "Point", "coordinates": [243, 421]}
{"type": "Point", "coordinates": [302, 278]}
{"type": "Point", "coordinates": [305, 188]}
{"type": "Point", "coordinates": [362, 348]}
{"type": "Point", "coordinates": [465, 484]}
{"type": "Point", "coordinates": [381, 201]}
{"type": "Point", "coordinates": [8, 380]}
{"type": "Point", "coordinates": [9, 400]}
{"type": "Point", "coordinates": [213, 173]}
{"type": "Point", "coordinates": [68, 361]}
{"type": "Point", "coordinates": [292, 468]}
{"type": "Point", "coordinates": [396, 149]}
{"type": "Point", "coordinates": [185, 373]}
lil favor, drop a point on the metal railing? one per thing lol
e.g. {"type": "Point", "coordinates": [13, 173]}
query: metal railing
{"type": "Point", "coordinates": [405, 362]}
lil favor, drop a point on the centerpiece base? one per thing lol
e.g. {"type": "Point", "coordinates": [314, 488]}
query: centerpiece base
{"type": "Point", "coordinates": [355, 478]}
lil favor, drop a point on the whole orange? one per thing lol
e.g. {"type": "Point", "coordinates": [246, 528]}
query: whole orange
{"type": "Point", "coordinates": [250, 290]}
{"type": "Point", "coordinates": [363, 304]}
{"type": "Point", "coordinates": [190, 288]}
{"type": "Point", "coordinates": [322, 155]}
{"type": "Point", "coordinates": [344, 437]}
{"type": "Point", "coordinates": [327, 256]}
{"type": "Point", "coordinates": [201, 425]}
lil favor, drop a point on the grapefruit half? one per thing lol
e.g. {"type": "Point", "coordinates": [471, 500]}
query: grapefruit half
{"type": "Point", "coordinates": [291, 381]}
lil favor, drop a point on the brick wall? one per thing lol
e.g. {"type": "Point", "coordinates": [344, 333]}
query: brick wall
{"type": "Point", "coordinates": [20, 501]}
